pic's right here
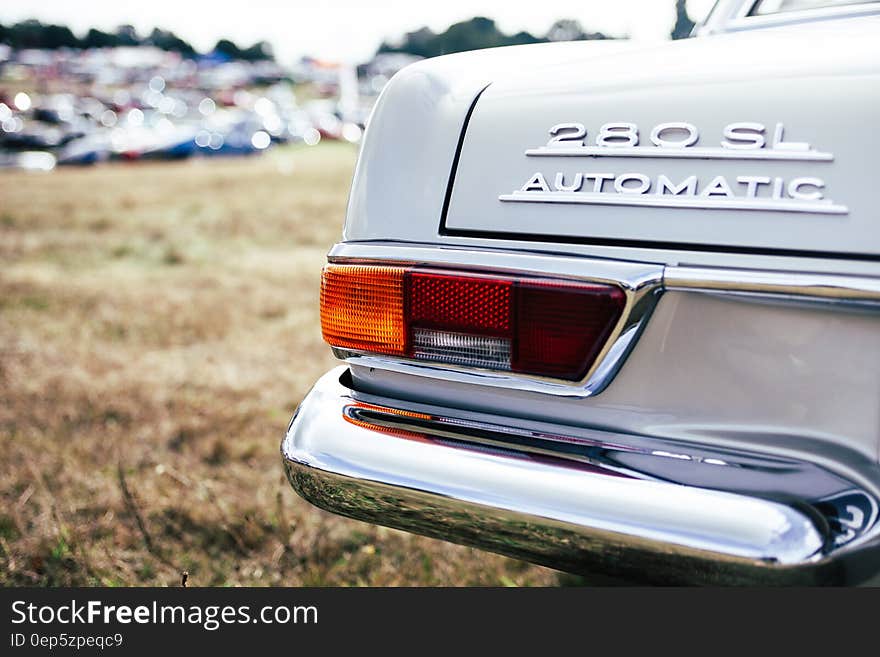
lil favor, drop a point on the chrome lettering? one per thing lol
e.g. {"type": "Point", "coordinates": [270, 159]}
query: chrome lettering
{"type": "Point", "coordinates": [644, 183]}
{"type": "Point", "coordinates": [688, 186]}
{"type": "Point", "coordinates": [536, 184]}
{"type": "Point", "coordinates": [741, 140]}
{"type": "Point", "coordinates": [679, 126]}
{"type": "Point", "coordinates": [795, 185]}
{"type": "Point", "coordinates": [744, 135]}
{"type": "Point", "coordinates": [568, 133]}
{"type": "Point", "coordinates": [598, 180]}
{"type": "Point", "coordinates": [781, 145]}
{"type": "Point", "coordinates": [560, 186]}
{"type": "Point", "coordinates": [751, 183]}
{"type": "Point", "coordinates": [615, 135]}
{"type": "Point", "coordinates": [718, 187]}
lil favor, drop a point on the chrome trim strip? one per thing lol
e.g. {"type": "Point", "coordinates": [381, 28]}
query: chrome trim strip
{"type": "Point", "coordinates": [641, 284]}
{"type": "Point", "coordinates": [798, 285]}
{"type": "Point", "coordinates": [633, 275]}
{"type": "Point", "coordinates": [690, 152]}
{"type": "Point", "coordinates": [735, 15]}
{"type": "Point", "coordinates": [581, 500]}
{"type": "Point", "coordinates": [660, 201]}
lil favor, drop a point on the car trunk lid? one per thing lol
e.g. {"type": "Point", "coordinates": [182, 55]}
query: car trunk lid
{"type": "Point", "coordinates": [752, 142]}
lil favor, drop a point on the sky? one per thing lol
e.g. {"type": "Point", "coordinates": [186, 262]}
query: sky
{"type": "Point", "coordinates": [345, 30]}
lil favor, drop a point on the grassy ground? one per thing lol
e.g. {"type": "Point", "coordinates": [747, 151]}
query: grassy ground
{"type": "Point", "coordinates": [158, 325]}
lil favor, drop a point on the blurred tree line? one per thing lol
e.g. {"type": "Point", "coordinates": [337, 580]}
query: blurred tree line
{"type": "Point", "coordinates": [683, 23]}
{"type": "Point", "coordinates": [481, 32]}
{"type": "Point", "coordinates": [473, 34]}
{"type": "Point", "coordinates": [34, 34]}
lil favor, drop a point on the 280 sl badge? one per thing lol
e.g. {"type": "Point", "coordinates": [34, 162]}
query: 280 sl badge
{"type": "Point", "coordinates": [741, 141]}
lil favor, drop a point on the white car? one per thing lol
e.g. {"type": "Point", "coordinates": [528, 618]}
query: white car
{"type": "Point", "coordinates": [615, 307]}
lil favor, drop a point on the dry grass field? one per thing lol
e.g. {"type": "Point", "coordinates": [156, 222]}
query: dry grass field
{"type": "Point", "coordinates": [158, 325]}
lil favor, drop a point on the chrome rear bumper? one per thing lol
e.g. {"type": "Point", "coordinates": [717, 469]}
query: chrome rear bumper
{"type": "Point", "coordinates": [582, 500]}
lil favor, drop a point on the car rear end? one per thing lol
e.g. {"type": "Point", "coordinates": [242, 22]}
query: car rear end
{"type": "Point", "coordinates": [613, 308]}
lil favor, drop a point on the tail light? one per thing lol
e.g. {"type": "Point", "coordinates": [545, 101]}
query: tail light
{"type": "Point", "coordinates": [537, 326]}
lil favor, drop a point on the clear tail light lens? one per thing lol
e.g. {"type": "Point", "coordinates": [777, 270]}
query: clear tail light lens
{"type": "Point", "coordinates": [537, 326]}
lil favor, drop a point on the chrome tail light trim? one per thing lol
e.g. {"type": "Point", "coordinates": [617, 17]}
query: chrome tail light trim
{"type": "Point", "coordinates": [641, 285]}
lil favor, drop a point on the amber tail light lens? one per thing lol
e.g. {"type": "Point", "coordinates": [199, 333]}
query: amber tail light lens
{"type": "Point", "coordinates": [362, 308]}
{"type": "Point", "coordinates": [537, 326]}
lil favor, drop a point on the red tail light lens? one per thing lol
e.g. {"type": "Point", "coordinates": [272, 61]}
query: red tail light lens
{"type": "Point", "coordinates": [544, 327]}
{"type": "Point", "coordinates": [562, 327]}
